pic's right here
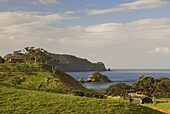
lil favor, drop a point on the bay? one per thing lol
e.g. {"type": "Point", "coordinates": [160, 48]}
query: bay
{"type": "Point", "coordinates": [121, 75]}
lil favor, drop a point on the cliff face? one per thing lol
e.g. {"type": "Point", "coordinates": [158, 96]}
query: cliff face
{"type": "Point", "coordinates": [72, 63]}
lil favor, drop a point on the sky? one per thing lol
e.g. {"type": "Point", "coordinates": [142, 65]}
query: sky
{"type": "Point", "coordinates": [124, 34]}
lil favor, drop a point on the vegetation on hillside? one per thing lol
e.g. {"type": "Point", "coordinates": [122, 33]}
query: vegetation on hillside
{"type": "Point", "coordinates": [28, 55]}
{"type": "Point", "coordinates": [120, 89]}
{"type": "Point", "coordinates": [149, 86]}
{"type": "Point", "coordinates": [155, 87]}
{"type": "Point", "coordinates": [37, 77]}
{"type": "Point", "coordinates": [65, 62]}
{"type": "Point", "coordinates": [73, 63]}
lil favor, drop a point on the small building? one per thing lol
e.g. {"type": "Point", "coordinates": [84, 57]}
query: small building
{"type": "Point", "coordinates": [134, 94]}
{"type": "Point", "coordinates": [141, 99]}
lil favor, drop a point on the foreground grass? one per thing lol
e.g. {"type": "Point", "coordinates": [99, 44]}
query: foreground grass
{"type": "Point", "coordinates": [161, 103]}
{"type": "Point", "coordinates": [15, 100]}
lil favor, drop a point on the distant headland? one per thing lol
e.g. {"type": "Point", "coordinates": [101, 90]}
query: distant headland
{"type": "Point", "coordinates": [69, 63]}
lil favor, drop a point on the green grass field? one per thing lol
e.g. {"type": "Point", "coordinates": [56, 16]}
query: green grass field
{"type": "Point", "coordinates": [161, 103]}
{"type": "Point", "coordinates": [17, 100]}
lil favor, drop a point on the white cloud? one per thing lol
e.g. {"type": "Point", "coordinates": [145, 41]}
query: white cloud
{"type": "Point", "coordinates": [29, 26]}
{"type": "Point", "coordinates": [136, 5]}
{"type": "Point", "coordinates": [46, 2]}
{"type": "Point", "coordinates": [34, 27]}
{"type": "Point", "coordinates": [147, 31]}
{"type": "Point", "coordinates": [42, 2]}
{"type": "Point", "coordinates": [160, 50]}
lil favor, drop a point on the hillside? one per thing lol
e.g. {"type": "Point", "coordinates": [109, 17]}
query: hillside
{"type": "Point", "coordinates": [72, 63]}
{"type": "Point", "coordinates": [20, 100]}
{"type": "Point", "coordinates": [37, 77]}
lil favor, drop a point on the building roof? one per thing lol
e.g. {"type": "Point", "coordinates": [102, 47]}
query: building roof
{"type": "Point", "coordinates": [140, 97]}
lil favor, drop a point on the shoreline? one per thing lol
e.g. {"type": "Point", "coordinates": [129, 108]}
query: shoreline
{"type": "Point", "coordinates": [111, 81]}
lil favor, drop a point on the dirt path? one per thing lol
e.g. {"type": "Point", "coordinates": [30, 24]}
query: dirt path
{"type": "Point", "coordinates": [165, 111]}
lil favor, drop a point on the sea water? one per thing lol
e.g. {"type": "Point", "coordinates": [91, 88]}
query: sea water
{"type": "Point", "coordinates": [121, 75]}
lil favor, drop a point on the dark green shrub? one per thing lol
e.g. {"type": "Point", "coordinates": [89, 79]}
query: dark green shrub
{"type": "Point", "coordinates": [87, 94]}
{"type": "Point", "coordinates": [119, 89]}
{"type": "Point", "coordinates": [16, 80]}
{"type": "Point", "coordinates": [94, 95]}
{"type": "Point", "coordinates": [77, 93]}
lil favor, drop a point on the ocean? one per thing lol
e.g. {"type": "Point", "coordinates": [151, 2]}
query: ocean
{"type": "Point", "coordinates": [120, 75]}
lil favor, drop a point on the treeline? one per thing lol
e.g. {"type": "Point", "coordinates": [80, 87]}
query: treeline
{"type": "Point", "coordinates": [156, 87]}
{"type": "Point", "coordinates": [153, 87]}
{"type": "Point", "coordinates": [27, 55]}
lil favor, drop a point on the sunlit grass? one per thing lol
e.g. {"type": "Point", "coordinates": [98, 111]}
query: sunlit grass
{"type": "Point", "coordinates": [15, 100]}
{"type": "Point", "coordinates": [161, 103]}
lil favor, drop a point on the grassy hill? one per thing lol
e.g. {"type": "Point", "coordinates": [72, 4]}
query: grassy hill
{"type": "Point", "coordinates": [19, 100]}
{"type": "Point", "coordinates": [37, 77]}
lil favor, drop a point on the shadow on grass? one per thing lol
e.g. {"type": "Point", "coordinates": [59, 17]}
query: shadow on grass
{"type": "Point", "coordinates": [162, 101]}
{"type": "Point", "coordinates": [31, 73]}
{"type": "Point", "coordinates": [32, 89]}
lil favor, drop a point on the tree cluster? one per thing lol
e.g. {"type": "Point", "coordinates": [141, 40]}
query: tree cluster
{"type": "Point", "coordinates": [28, 55]}
{"type": "Point", "coordinates": [120, 89]}
{"type": "Point", "coordinates": [157, 87]}
{"type": "Point", "coordinates": [153, 87]}
{"type": "Point", "coordinates": [88, 94]}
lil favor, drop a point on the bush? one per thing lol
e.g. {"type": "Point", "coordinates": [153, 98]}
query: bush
{"type": "Point", "coordinates": [94, 95]}
{"type": "Point", "coordinates": [120, 89]}
{"type": "Point", "coordinates": [16, 80]}
{"type": "Point", "coordinates": [88, 94]}
{"type": "Point", "coordinates": [78, 93]}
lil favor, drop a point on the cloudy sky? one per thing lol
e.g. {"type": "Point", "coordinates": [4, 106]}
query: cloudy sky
{"type": "Point", "coordinates": [124, 34]}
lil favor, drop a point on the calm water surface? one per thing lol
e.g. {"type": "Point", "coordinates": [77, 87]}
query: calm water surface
{"type": "Point", "coordinates": [119, 75]}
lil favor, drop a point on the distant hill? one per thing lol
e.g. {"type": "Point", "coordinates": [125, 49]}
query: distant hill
{"type": "Point", "coordinates": [73, 63]}
{"type": "Point", "coordinates": [65, 62]}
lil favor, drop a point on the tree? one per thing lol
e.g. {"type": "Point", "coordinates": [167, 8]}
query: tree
{"type": "Point", "coordinates": [145, 84]}
{"type": "Point", "coordinates": [155, 87]}
{"type": "Point", "coordinates": [32, 55]}
{"type": "Point", "coordinates": [1, 60]}
{"type": "Point", "coordinates": [8, 58]}
{"type": "Point", "coordinates": [120, 89]}
{"type": "Point", "coordinates": [162, 87]}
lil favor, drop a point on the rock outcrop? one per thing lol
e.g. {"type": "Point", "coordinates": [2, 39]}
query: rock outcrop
{"type": "Point", "coordinates": [98, 77]}
{"type": "Point", "coordinates": [72, 63]}
{"type": "Point", "coordinates": [81, 80]}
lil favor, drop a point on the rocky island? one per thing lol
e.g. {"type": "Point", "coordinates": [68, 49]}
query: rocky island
{"type": "Point", "coordinates": [98, 77]}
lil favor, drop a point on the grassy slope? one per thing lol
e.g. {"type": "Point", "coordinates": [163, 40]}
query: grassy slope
{"type": "Point", "coordinates": [161, 103]}
{"type": "Point", "coordinates": [36, 78]}
{"type": "Point", "coordinates": [15, 100]}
